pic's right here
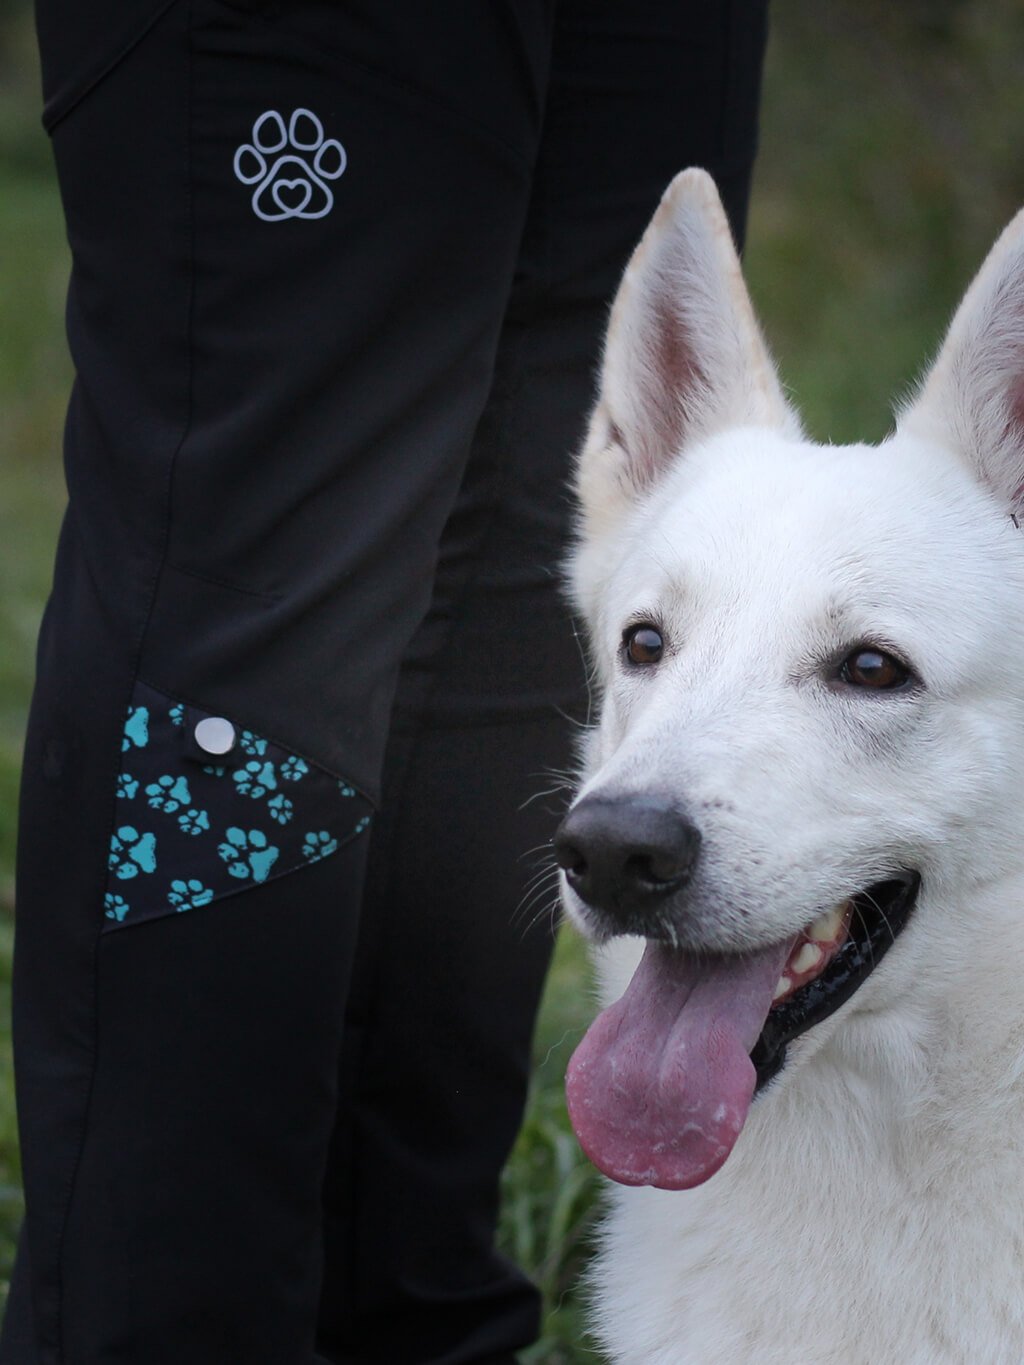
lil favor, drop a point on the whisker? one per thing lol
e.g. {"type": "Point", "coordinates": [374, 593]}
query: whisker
{"type": "Point", "coordinates": [880, 912]}
{"type": "Point", "coordinates": [589, 669]}
{"type": "Point", "coordinates": [539, 879]}
{"type": "Point", "coordinates": [556, 790]}
{"type": "Point", "coordinates": [542, 903]}
{"type": "Point", "coordinates": [541, 852]}
{"type": "Point", "coordinates": [862, 922]}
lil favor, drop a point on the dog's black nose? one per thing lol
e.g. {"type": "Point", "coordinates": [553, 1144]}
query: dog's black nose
{"type": "Point", "coordinates": [624, 857]}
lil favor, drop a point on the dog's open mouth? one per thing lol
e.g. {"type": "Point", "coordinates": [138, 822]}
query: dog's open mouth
{"type": "Point", "coordinates": [660, 1087]}
{"type": "Point", "coordinates": [829, 962]}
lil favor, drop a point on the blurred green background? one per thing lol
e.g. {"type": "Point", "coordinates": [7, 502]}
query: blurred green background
{"type": "Point", "coordinates": [892, 154]}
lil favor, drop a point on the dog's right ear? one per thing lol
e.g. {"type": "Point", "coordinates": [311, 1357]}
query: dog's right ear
{"type": "Point", "coordinates": [973, 397]}
{"type": "Point", "coordinates": [684, 356]}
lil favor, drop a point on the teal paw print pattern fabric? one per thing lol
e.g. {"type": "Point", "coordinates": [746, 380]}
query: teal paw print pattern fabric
{"type": "Point", "coordinates": [192, 826]}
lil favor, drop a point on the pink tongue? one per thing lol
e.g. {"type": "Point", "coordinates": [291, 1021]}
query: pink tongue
{"type": "Point", "coordinates": [659, 1088]}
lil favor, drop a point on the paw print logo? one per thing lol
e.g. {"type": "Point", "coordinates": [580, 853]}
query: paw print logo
{"type": "Point", "coordinates": [168, 794]}
{"type": "Point", "coordinates": [136, 728]}
{"type": "Point", "coordinates": [186, 895]}
{"type": "Point", "coordinates": [177, 714]}
{"type": "Point", "coordinates": [127, 786]}
{"type": "Point", "coordinates": [255, 779]}
{"type": "Point", "coordinates": [248, 854]}
{"type": "Point", "coordinates": [346, 789]}
{"type": "Point", "coordinates": [290, 166]}
{"type": "Point", "coordinates": [131, 853]}
{"type": "Point", "coordinates": [281, 809]}
{"type": "Point", "coordinates": [115, 907]}
{"type": "Point", "coordinates": [318, 845]}
{"type": "Point", "coordinates": [252, 744]}
{"type": "Point", "coordinates": [194, 822]}
{"type": "Point", "coordinates": [294, 768]}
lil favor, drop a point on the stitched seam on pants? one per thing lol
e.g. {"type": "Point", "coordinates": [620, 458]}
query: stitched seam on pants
{"type": "Point", "coordinates": [269, 597]}
{"type": "Point", "coordinates": [58, 110]}
{"type": "Point", "coordinates": [177, 694]}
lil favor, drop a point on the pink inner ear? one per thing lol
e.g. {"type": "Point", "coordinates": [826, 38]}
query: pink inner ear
{"type": "Point", "coordinates": [1015, 432]}
{"type": "Point", "coordinates": [674, 377]}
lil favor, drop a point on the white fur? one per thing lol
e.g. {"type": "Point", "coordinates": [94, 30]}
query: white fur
{"type": "Point", "coordinates": [873, 1208]}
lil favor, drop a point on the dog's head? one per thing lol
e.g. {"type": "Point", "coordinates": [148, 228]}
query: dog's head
{"type": "Point", "coordinates": [810, 662]}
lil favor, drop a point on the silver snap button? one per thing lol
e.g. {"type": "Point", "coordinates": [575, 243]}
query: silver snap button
{"type": "Point", "coordinates": [215, 735]}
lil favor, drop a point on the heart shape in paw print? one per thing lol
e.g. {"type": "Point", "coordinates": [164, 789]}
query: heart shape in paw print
{"type": "Point", "coordinates": [291, 196]}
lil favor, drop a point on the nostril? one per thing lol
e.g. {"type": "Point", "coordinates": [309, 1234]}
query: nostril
{"type": "Point", "coordinates": [568, 855]}
{"type": "Point", "coordinates": [656, 869]}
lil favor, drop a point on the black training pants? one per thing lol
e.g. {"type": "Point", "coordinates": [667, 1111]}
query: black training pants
{"type": "Point", "coordinates": [339, 278]}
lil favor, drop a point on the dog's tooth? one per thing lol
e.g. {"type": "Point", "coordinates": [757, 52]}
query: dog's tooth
{"type": "Point", "coordinates": [780, 990]}
{"type": "Point", "coordinates": [807, 958]}
{"type": "Point", "coordinates": [826, 927]}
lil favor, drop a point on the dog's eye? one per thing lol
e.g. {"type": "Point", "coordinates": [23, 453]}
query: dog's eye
{"type": "Point", "coordinates": [643, 644]}
{"type": "Point", "coordinates": [874, 668]}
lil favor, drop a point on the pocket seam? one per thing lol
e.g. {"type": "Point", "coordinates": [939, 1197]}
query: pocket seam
{"type": "Point", "coordinates": [60, 106]}
{"type": "Point", "coordinates": [189, 700]}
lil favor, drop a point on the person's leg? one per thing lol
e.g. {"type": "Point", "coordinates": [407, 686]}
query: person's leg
{"type": "Point", "coordinates": [451, 959]}
{"type": "Point", "coordinates": [294, 231]}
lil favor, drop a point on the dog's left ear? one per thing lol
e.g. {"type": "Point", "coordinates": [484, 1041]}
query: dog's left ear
{"type": "Point", "coordinates": [973, 396]}
{"type": "Point", "coordinates": [684, 356]}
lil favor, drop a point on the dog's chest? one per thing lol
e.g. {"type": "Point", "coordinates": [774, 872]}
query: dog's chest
{"type": "Point", "coordinates": [820, 1256]}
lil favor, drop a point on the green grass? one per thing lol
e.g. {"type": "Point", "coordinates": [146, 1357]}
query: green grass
{"type": "Point", "coordinates": [891, 157]}
{"type": "Point", "coordinates": [34, 377]}
{"type": "Point", "coordinates": [34, 374]}
{"type": "Point", "coordinates": [549, 1188]}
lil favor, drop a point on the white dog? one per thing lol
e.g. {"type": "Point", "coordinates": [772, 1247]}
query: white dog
{"type": "Point", "coordinates": [806, 793]}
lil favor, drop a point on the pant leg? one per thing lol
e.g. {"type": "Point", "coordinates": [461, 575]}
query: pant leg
{"type": "Point", "coordinates": [278, 376]}
{"type": "Point", "coordinates": [450, 961]}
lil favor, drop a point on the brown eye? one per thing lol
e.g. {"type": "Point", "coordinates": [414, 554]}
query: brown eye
{"type": "Point", "coordinates": [643, 644]}
{"type": "Point", "coordinates": [873, 668]}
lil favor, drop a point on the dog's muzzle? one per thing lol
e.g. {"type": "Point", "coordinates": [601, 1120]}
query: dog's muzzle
{"type": "Point", "coordinates": [625, 858]}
